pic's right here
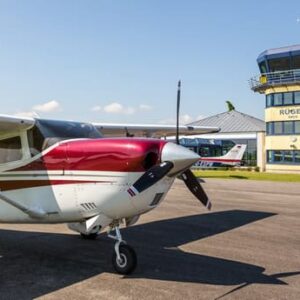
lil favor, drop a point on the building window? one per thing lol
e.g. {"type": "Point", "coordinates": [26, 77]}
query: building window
{"type": "Point", "coordinates": [297, 126]}
{"type": "Point", "coordinates": [269, 100]}
{"type": "Point", "coordinates": [297, 156]}
{"type": "Point", "coordinates": [270, 130]}
{"type": "Point", "coordinates": [283, 99]}
{"type": "Point", "coordinates": [277, 127]}
{"type": "Point", "coordinates": [283, 128]}
{"type": "Point", "coordinates": [263, 67]}
{"type": "Point", "coordinates": [291, 157]}
{"type": "Point", "coordinates": [297, 97]}
{"type": "Point", "coordinates": [288, 127]}
{"type": "Point", "coordinates": [287, 98]}
{"type": "Point", "coordinates": [296, 62]}
{"type": "Point", "coordinates": [277, 156]}
{"type": "Point", "coordinates": [279, 64]}
{"type": "Point", "coordinates": [278, 99]}
{"type": "Point", "coordinates": [269, 156]}
{"type": "Point", "coordinates": [288, 156]}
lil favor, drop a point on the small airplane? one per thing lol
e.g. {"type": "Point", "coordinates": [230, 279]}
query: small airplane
{"type": "Point", "coordinates": [231, 159]}
{"type": "Point", "coordinates": [67, 172]}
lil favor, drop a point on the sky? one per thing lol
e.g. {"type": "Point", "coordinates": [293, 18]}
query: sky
{"type": "Point", "coordinates": [120, 60]}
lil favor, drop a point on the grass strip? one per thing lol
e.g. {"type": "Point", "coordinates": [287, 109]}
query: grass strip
{"type": "Point", "coordinates": [248, 175]}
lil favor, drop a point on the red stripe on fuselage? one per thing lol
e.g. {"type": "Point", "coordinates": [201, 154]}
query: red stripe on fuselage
{"type": "Point", "coordinates": [9, 185]}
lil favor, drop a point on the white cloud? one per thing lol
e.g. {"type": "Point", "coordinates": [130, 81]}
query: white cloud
{"type": "Point", "coordinates": [114, 108]}
{"type": "Point", "coordinates": [120, 109]}
{"type": "Point", "coordinates": [117, 108]}
{"type": "Point", "coordinates": [50, 106]}
{"type": "Point", "coordinates": [96, 108]}
{"type": "Point", "coordinates": [145, 107]}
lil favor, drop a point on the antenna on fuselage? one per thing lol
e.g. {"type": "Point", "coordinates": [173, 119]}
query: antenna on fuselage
{"type": "Point", "coordinates": [177, 112]}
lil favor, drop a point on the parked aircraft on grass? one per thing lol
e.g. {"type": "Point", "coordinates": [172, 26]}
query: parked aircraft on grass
{"type": "Point", "coordinates": [231, 159]}
{"type": "Point", "coordinates": [66, 172]}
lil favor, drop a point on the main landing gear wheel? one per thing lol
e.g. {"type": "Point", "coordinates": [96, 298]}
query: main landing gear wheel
{"type": "Point", "coordinates": [92, 235]}
{"type": "Point", "coordinates": [127, 262]}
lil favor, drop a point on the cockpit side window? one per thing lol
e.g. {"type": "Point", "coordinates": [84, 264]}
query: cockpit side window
{"type": "Point", "coordinates": [35, 141]}
{"type": "Point", "coordinates": [10, 149]}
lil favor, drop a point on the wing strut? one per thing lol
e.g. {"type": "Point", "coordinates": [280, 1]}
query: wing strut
{"type": "Point", "coordinates": [36, 213]}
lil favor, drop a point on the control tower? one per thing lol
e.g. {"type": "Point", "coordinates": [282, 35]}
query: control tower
{"type": "Point", "coordinates": [279, 81]}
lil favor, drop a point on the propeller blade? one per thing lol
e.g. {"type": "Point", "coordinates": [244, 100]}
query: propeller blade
{"type": "Point", "coordinates": [153, 175]}
{"type": "Point", "coordinates": [194, 186]}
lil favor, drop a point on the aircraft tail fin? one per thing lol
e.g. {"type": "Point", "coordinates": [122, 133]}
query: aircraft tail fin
{"type": "Point", "coordinates": [236, 152]}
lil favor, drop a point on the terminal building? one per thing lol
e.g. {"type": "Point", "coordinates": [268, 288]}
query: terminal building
{"type": "Point", "coordinates": [279, 81]}
{"type": "Point", "coordinates": [236, 128]}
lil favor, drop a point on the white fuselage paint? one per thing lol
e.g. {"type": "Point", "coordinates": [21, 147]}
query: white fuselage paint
{"type": "Point", "coordinates": [91, 194]}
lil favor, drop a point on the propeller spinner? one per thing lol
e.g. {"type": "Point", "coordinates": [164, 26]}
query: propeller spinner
{"type": "Point", "coordinates": [176, 161]}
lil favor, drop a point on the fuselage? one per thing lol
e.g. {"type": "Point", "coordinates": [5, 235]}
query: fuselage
{"type": "Point", "coordinates": [67, 172]}
{"type": "Point", "coordinates": [214, 162]}
{"type": "Point", "coordinates": [76, 179]}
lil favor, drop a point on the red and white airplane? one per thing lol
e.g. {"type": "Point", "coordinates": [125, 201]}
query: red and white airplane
{"type": "Point", "coordinates": [231, 159]}
{"type": "Point", "coordinates": [66, 172]}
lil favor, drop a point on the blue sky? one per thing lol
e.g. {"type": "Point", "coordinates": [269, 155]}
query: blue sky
{"type": "Point", "coordinates": [119, 61]}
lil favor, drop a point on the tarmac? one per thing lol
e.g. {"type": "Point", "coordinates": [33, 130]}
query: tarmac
{"type": "Point", "coordinates": [247, 247]}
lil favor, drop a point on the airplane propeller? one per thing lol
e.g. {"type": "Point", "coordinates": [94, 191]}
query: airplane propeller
{"type": "Point", "coordinates": [157, 172]}
{"type": "Point", "coordinates": [188, 177]}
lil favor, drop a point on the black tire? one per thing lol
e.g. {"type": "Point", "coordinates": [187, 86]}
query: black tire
{"type": "Point", "coordinates": [129, 260]}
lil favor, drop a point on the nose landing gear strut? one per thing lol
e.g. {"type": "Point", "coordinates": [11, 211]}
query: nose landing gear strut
{"type": "Point", "coordinates": [124, 257]}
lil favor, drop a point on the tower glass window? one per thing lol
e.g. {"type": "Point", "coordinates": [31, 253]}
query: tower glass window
{"type": "Point", "coordinates": [297, 127]}
{"type": "Point", "coordinates": [282, 99]}
{"type": "Point", "coordinates": [277, 127]}
{"type": "Point", "coordinates": [297, 97]}
{"type": "Point", "coordinates": [279, 64]}
{"type": "Point", "coordinates": [269, 100]}
{"type": "Point", "coordinates": [278, 99]}
{"type": "Point", "coordinates": [288, 98]}
{"type": "Point", "coordinates": [263, 67]}
{"type": "Point", "coordinates": [296, 62]}
{"type": "Point", "coordinates": [288, 127]}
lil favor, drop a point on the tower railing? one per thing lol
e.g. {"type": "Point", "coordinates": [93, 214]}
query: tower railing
{"type": "Point", "coordinates": [260, 82]}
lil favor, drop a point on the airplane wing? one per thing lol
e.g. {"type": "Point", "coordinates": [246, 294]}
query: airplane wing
{"type": "Point", "coordinates": [150, 130]}
{"type": "Point", "coordinates": [12, 123]}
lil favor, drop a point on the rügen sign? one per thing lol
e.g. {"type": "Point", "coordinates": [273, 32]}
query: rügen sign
{"type": "Point", "coordinates": [291, 113]}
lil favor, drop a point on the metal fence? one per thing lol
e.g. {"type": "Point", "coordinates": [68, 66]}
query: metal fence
{"type": "Point", "coordinates": [274, 78]}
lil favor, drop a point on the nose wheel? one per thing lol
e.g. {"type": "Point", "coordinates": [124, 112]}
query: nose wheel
{"type": "Point", "coordinates": [124, 257]}
{"type": "Point", "coordinates": [127, 261]}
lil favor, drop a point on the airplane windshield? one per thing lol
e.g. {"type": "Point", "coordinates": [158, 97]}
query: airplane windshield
{"type": "Point", "coordinates": [48, 132]}
{"type": "Point", "coordinates": [67, 129]}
